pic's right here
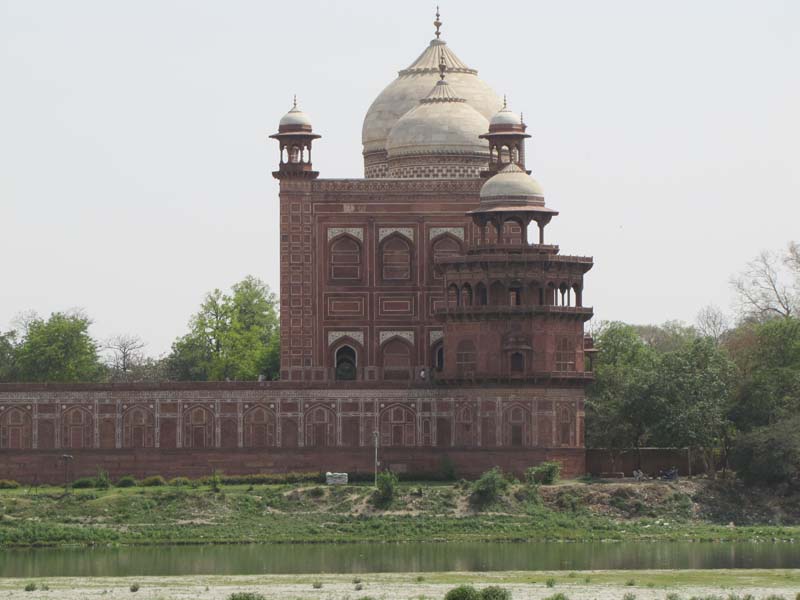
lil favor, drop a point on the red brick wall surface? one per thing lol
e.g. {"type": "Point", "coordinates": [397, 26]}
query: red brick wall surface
{"type": "Point", "coordinates": [46, 466]}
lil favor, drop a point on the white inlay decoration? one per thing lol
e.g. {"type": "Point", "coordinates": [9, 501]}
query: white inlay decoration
{"type": "Point", "coordinates": [385, 335]}
{"type": "Point", "coordinates": [356, 232]}
{"type": "Point", "coordinates": [387, 231]}
{"type": "Point", "coordinates": [335, 335]}
{"type": "Point", "coordinates": [437, 231]}
{"type": "Point", "coordinates": [435, 336]}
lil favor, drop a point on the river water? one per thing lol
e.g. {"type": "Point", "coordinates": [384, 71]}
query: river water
{"type": "Point", "coordinates": [409, 557]}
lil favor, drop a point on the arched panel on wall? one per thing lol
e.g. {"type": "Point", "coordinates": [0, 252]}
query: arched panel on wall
{"type": "Point", "coordinates": [138, 427]}
{"type": "Point", "coordinates": [198, 427]}
{"type": "Point", "coordinates": [395, 255]}
{"type": "Point", "coordinates": [396, 355]}
{"type": "Point", "coordinates": [167, 433]}
{"type": "Point", "coordinates": [345, 256]}
{"type": "Point", "coordinates": [320, 427]}
{"type": "Point", "coordinates": [398, 426]}
{"type": "Point", "coordinates": [77, 428]}
{"type": "Point", "coordinates": [516, 426]}
{"type": "Point", "coordinates": [442, 246]}
{"type": "Point", "coordinates": [16, 432]}
{"type": "Point", "coordinates": [259, 427]}
{"type": "Point", "coordinates": [565, 425]}
{"type": "Point", "coordinates": [466, 427]}
{"type": "Point", "coordinates": [565, 353]}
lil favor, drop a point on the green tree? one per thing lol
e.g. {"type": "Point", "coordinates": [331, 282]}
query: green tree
{"type": "Point", "coordinates": [233, 336]}
{"type": "Point", "coordinates": [694, 391]}
{"type": "Point", "coordinates": [59, 349]}
{"type": "Point", "coordinates": [768, 356]}
{"type": "Point", "coordinates": [769, 455]}
{"type": "Point", "coordinates": [8, 350]}
{"type": "Point", "coordinates": [621, 407]}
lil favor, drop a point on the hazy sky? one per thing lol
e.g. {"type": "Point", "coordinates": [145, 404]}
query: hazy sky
{"type": "Point", "coordinates": [135, 165]}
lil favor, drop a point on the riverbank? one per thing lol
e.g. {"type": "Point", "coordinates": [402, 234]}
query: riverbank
{"type": "Point", "coordinates": [524, 585]}
{"type": "Point", "coordinates": [302, 513]}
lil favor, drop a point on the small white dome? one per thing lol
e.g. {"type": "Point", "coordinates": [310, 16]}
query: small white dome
{"type": "Point", "coordinates": [505, 116]}
{"type": "Point", "coordinates": [295, 118]}
{"type": "Point", "coordinates": [514, 184]}
{"type": "Point", "coordinates": [441, 123]}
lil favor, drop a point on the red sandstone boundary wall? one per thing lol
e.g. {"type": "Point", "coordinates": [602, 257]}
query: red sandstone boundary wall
{"type": "Point", "coordinates": [46, 466]}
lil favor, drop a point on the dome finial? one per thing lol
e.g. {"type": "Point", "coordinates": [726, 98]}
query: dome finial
{"type": "Point", "coordinates": [442, 67]}
{"type": "Point", "coordinates": [505, 101]}
{"type": "Point", "coordinates": [437, 23]}
{"type": "Point", "coordinates": [294, 101]}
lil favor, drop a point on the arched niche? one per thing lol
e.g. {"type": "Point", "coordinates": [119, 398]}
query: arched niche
{"type": "Point", "coordinates": [398, 425]}
{"type": "Point", "coordinates": [395, 257]}
{"type": "Point", "coordinates": [345, 259]}
{"type": "Point", "coordinates": [396, 359]}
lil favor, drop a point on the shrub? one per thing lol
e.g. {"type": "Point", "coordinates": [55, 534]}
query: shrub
{"type": "Point", "coordinates": [153, 481]}
{"type": "Point", "coordinates": [448, 469]}
{"type": "Point", "coordinates": [495, 592]}
{"type": "Point", "coordinates": [83, 483]}
{"type": "Point", "coordinates": [359, 587]}
{"type": "Point", "coordinates": [215, 481]}
{"type": "Point", "coordinates": [317, 585]}
{"type": "Point", "coordinates": [550, 582]}
{"type": "Point", "coordinates": [629, 596]}
{"type": "Point", "coordinates": [463, 592]}
{"type": "Point", "coordinates": [316, 492]}
{"type": "Point", "coordinates": [134, 587]}
{"type": "Point", "coordinates": [356, 580]}
{"type": "Point", "coordinates": [30, 587]}
{"type": "Point", "coordinates": [558, 596]}
{"type": "Point", "coordinates": [246, 596]}
{"type": "Point", "coordinates": [546, 473]}
{"type": "Point", "coordinates": [270, 478]}
{"type": "Point", "coordinates": [769, 455]}
{"type": "Point", "coordinates": [126, 481]}
{"type": "Point", "coordinates": [102, 482]}
{"type": "Point", "coordinates": [8, 484]}
{"type": "Point", "coordinates": [180, 481]}
{"type": "Point", "coordinates": [488, 487]}
{"type": "Point", "coordinates": [386, 490]}
{"type": "Point", "coordinates": [630, 582]}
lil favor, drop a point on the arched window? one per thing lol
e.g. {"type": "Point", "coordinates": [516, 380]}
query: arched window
{"type": "Point", "coordinates": [466, 295]}
{"type": "Point", "coordinates": [444, 245]}
{"type": "Point", "coordinates": [345, 364]}
{"type": "Point", "coordinates": [438, 356]}
{"type": "Point", "coordinates": [398, 426]}
{"type": "Point", "coordinates": [452, 296]}
{"type": "Point", "coordinates": [564, 426]}
{"type": "Point", "coordinates": [481, 297]}
{"type": "Point", "coordinates": [565, 354]}
{"type": "Point", "coordinates": [395, 259]}
{"type": "Point", "coordinates": [466, 358]}
{"type": "Point", "coordinates": [259, 428]}
{"type": "Point", "coordinates": [345, 259]}
{"type": "Point", "coordinates": [396, 360]}
{"type": "Point", "coordinates": [515, 295]}
{"type": "Point", "coordinates": [517, 362]}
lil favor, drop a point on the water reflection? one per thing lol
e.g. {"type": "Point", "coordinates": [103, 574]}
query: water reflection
{"type": "Point", "coordinates": [366, 558]}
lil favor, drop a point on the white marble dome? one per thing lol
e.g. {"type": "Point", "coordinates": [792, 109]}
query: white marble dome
{"type": "Point", "coordinates": [440, 123]}
{"type": "Point", "coordinates": [505, 117]}
{"type": "Point", "coordinates": [295, 118]}
{"type": "Point", "coordinates": [414, 83]}
{"type": "Point", "coordinates": [514, 185]}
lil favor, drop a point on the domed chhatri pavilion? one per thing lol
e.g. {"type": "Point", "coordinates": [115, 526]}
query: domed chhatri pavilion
{"type": "Point", "coordinates": [421, 303]}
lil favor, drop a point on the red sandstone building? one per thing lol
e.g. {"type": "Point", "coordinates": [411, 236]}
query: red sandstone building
{"type": "Point", "coordinates": [414, 303]}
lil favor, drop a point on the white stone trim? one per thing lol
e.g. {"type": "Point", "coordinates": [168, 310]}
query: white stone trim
{"type": "Point", "coordinates": [383, 336]}
{"type": "Point", "coordinates": [384, 232]}
{"type": "Point", "coordinates": [454, 231]}
{"type": "Point", "coordinates": [336, 335]}
{"type": "Point", "coordinates": [356, 232]}
{"type": "Point", "coordinates": [435, 336]}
